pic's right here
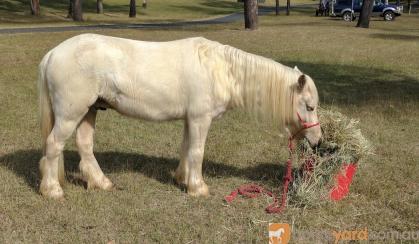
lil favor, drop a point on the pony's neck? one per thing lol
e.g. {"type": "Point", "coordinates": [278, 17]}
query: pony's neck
{"type": "Point", "coordinates": [262, 86]}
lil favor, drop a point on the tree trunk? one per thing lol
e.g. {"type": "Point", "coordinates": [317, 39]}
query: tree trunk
{"type": "Point", "coordinates": [77, 13]}
{"type": "Point", "coordinates": [99, 6]}
{"type": "Point", "coordinates": [409, 6]}
{"type": "Point", "coordinates": [251, 14]}
{"type": "Point", "coordinates": [35, 9]}
{"type": "Point", "coordinates": [365, 15]}
{"type": "Point", "coordinates": [144, 3]}
{"type": "Point", "coordinates": [132, 9]}
{"type": "Point", "coordinates": [70, 9]}
{"type": "Point", "coordinates": [276, 7]}
{"type": "Point", "coordinates": [288, 7]}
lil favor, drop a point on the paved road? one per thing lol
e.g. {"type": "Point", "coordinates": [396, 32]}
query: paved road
{"type": "Point", "coordinates": [220, 20]}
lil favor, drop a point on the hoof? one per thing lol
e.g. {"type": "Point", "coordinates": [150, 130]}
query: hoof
{"type": "Point", "coordinates": [180, 178]}
{"type": "Point", "coordinates": [103, 184]}
{"type": "Point", "coordinates": [199, 190]}
{"type": "Point", "coordinates": [52, 191]}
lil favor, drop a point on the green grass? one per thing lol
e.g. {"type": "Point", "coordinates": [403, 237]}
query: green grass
{"type": "Point", "coordinates": [368, 74]}
{"type": "Point", "coordinates": [53, 12]}
{"type": "Point", "coordinates": [16, 13]}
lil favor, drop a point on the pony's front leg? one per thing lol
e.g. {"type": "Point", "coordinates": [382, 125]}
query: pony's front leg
{"type": "Point", "coordinates": [182, 171]}
{"type": "Point", "coordinates": [192, 164]}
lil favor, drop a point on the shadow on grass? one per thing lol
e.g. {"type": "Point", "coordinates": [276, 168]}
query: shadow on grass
{"type": "Point", "coordinates": [397, 37]}
{"type": "Point", "coordinates": [13, 11]}
{"type": "Point", "coordinates": [24, 163]}
{"type": "Point", "coordinates": [213, 7]}
{"type": "Point", "coordinates": [59, 5]}
{"type": "Point", "coordinates": [352, 85]}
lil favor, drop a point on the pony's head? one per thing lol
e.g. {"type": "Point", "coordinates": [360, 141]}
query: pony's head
{"type": "Point", "coordinates": [274, 92]}
{"type": "Point", "coordinates": [304, 120]}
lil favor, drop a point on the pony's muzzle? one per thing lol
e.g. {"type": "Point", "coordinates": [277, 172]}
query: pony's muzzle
{"type": "Point", "coordinates": [316, 145]}
{"type": "Point", "coordinates": [314, 138]}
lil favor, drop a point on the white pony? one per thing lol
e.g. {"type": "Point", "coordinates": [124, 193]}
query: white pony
{"type": "Point", "coordinates": [276, 236]}
{"type": "Point", "coordinates": [193, 79]}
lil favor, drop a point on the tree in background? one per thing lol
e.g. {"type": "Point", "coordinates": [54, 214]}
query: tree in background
{"type": "Point", "coordinates": [277, 7]}
{"type": "Point", "coordinates": [35, 9]}
{"type": "Point", "coordinates": [288, 7]}
{"type": "Point", "coordinates": [132, 9]}
{"type": "Point", "coordinates": [365, 15]}
{"type": "Point", "coordinates": [409, 6]}
{"type": "Point", "coordinates": [77, 11]}
{"type": "Point", "coordinates": [99, 6]}
{"type": "Point", "coordinates": [250, 14]}
{"type": "Point", "coordinates": [70, 9]}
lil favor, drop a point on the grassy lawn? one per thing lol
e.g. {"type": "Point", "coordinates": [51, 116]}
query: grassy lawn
{"type": "Point", "coordinates": [16, 13]}
{"type": "Point", "coordinates": [368, 74]}
{"type": "Point", "coordinates": [53, 12]}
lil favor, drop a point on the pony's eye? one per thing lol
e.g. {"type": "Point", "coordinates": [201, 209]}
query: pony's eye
{"type": "Point", "coordinates": [309, 108]}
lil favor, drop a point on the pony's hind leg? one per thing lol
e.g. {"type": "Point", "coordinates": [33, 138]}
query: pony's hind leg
{"type": "Point", "coordinates": [190, 168]}
{"type": "Point", "coordinates": [49, 164]}
{"type": "Point", "coordinates": [89, 166]}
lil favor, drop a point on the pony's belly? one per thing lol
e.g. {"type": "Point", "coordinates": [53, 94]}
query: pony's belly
{"type": "Point", "coordinates": [156, 111]}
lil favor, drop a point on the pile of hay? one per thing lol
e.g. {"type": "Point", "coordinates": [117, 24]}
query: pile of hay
{"type": "Point", "coordinates": [342, 142]}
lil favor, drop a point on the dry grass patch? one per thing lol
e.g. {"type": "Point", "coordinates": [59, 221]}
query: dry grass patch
{"type": "Point", "coordinates": [369, 75]}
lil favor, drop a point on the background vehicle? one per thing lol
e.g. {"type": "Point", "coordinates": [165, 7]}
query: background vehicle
{"type": "Point", "coordinates": [350, 9]}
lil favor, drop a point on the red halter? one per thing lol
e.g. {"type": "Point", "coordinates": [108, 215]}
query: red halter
{"type": "Point", "coordinates": [304, 125]}
{"type": "Point", "coordinates": [252, 190]}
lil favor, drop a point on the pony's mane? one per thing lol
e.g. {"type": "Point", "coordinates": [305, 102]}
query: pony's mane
{"type": "Point", "coordinates": [267, 87]}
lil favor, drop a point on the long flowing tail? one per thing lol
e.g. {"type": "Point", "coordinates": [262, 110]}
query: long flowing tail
{"type": "Point", "coordinates": [45, 108]}
{"type": "Point", "coordinates": [47, 117]}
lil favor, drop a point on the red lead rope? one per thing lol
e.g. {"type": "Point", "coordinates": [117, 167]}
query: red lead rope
{"type": "Point", "coordinates": [253, 190]}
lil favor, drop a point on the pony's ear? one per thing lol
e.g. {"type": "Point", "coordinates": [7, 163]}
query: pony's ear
{"type": "Point", "coordinates": [296, 68]}
{"type": "Point", "coordinates": [301, 82]}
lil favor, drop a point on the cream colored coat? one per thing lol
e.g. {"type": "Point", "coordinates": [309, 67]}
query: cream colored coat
{"type": "Point", "coordinates": [192, 79]}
